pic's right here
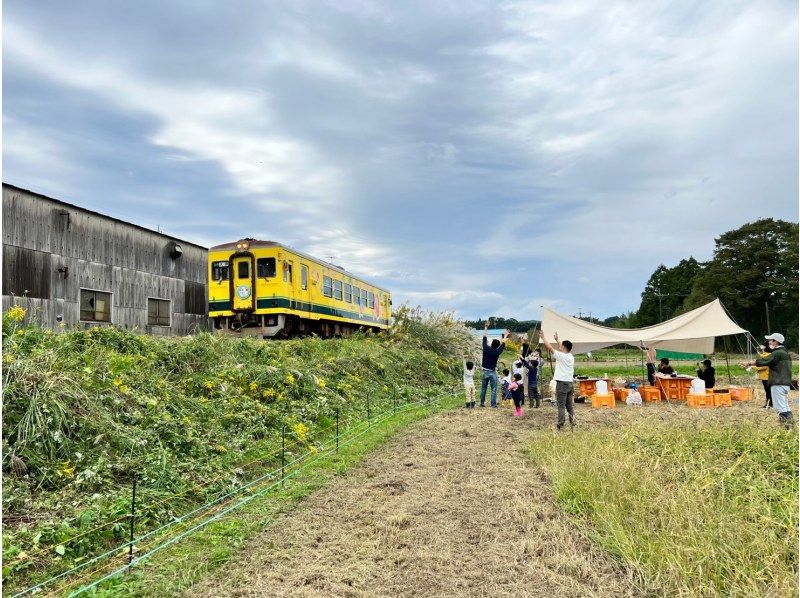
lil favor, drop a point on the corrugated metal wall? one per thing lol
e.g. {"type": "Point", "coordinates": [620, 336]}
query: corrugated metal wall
{"type": "Point", "coordinates": [52, 250]}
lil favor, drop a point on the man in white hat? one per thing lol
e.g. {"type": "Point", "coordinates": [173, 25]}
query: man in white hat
{"type": "Point", "coordinates": [780, 376]}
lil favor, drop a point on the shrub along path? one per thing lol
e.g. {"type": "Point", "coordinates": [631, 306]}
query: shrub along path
{"type": "Point", "coordinates": [452, 507]}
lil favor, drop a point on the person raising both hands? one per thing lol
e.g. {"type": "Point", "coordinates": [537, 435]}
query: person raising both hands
{"type": "Point", "coordinates": [491, 353]}
{"type": "Point", "coordinates": [564, 375]}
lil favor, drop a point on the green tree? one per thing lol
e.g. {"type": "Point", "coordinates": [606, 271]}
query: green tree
{"type": "Point", "coordinates": [755, 271]}
{"type": "Point", "coordinates": [666, 291]}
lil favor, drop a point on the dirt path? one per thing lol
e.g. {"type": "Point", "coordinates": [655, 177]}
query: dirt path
{"type": "Point", "coordinates": [450, 507]}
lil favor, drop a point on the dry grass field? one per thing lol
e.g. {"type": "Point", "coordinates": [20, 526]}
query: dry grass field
{"type": "Point", "coordinates": [477, 503]}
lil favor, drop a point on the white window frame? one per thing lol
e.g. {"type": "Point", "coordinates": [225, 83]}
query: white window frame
{"type": "Point", "coordinates": [147, 315]}
{"type": "Point", "coordinates": [110, 311]}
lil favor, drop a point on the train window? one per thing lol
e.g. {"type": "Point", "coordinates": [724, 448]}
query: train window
{"type": "Point", "coordinates": [265, 267]}
{"type": "Point", "coordinates": [327, 286]}
{"type": "Point", "coordinates": [356, 296]}
{"type": "Point", "coordinates": [243, 269]}
{"type": "Point", "coordinates": [95, 306]}
{"type": "Point", "coordinates": [220, 271]}
{"type": "Point", "coordinates": [337, 289]}
{"type": "Point", "coordinates": [364, 297]}
{"type": "Point", "coordinates": [371, 299]}
{"type": "Point", "coordinates": [287, 272]}
{"type": "Point", "coordinates": [304, 277]}
{"type": "Point", "coordinates": [157, 312]}
{"type": "Point", "coordinates": [348, 293]}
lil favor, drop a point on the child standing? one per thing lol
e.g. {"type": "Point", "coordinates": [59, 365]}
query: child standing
{"type": "Point", "coordinates": [469, 384]}
{"type": "Point", "coordinates": [504, 384]}
{"type": "Point", "coordinates": [532, 365]}
{"type": "Point", "coordinates": [517, 390]}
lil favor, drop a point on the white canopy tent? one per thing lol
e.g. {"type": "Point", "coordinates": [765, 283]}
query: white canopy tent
{"type": "Point", "coordinates": [692, 332]}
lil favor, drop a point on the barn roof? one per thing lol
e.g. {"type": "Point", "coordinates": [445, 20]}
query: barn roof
{"type": "Point", "coordinates": [101, 215]}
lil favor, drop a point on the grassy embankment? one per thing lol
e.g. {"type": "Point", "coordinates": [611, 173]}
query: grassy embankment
{"type": "Point", "coordinates": [190, 418]}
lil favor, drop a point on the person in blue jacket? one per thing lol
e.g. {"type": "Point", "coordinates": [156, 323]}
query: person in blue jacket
{"type": "Point", "coordinates": [491, 353]}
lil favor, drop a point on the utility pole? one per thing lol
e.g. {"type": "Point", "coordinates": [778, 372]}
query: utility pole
{"type": "Point", "coordinates": [766, 308]}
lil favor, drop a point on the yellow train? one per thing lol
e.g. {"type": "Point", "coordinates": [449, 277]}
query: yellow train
{"type": "Point", "coordinates": [267, 289]}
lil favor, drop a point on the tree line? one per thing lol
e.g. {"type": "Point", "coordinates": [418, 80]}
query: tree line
{"type": "Point", "coordinates": [753, 271]}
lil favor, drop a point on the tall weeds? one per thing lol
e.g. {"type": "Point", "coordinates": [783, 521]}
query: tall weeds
{"type": "Point", "coordinates": [86, 411]}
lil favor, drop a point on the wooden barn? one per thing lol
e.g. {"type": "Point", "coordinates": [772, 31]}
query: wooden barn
{"type": "Point", "coordinates": [69, 265]}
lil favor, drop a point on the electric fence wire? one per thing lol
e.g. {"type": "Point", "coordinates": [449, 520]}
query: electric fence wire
{"type": "Point", "coordinates": [175, 521]}
{"type": "Point", "coordinates": [241, 503]}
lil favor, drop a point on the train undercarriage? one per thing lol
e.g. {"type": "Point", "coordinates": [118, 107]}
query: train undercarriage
{"type": "Point", "coordinates": [282, 326]}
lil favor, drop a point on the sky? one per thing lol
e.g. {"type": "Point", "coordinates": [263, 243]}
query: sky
{"type": "Point", "coordinates": [485, 158]}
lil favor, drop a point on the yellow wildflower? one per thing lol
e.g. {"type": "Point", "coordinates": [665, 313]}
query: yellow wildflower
{"type": "Point", "coordinates": [290, 379]}
{"type": "Point", "coordinates": [321, 383]}
{"type": "Point", "coordinates": [268, 393]}
{"type": "Point", "coordinates": [16, 313]}
{"type": "Point", "coordinates": [254, 386]}
{"type": "Point", "coordinates": [208, 385]}
{"type": "Point", "coordinates": [301, 431]}
{"type": "Point", "coordinates": [66, 470]}
{"type": "Point", "coordinates": [220, 448]}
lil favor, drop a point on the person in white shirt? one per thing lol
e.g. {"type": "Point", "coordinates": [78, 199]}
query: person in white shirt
{"type": "Point", "coordinates": [517, 368]}
{"type": "Point", "coordinates": [563, 376]}
{"type": "Point", "coordinates": [634, 398]}
{"type": "Point", "coordinates": [469, 384]}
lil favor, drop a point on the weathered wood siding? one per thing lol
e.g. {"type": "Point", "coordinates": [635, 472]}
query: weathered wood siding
{"type": "Point", "coordinates": [42, 235]}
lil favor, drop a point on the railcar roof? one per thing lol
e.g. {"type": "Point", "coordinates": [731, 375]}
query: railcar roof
{"type": "Point", "coordinates": [256, 243]}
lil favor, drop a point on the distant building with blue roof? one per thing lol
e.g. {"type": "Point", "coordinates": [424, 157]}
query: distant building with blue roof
{"type": "Point", "coordinates": [491, 334]}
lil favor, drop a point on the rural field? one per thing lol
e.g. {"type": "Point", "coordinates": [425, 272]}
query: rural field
{"type": "Point", "coordinates": [423, 498]}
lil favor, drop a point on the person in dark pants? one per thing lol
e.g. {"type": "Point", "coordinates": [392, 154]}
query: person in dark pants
{"type": "Point", "coordinates": [651, 365]}
{"type": "Point", "coordinates": [517, 393]}
{"type": "Point", "coordinates": [524, 352]}
{"type": "Point", "coordinates": [491, 353]}
{"type": "Point", "coordinates": [564, 375]}
{"type": "Point", "coordinates": [707, 374]}
{"type": "Point", "coordinates": [532, 367]}
{"type": "Point", "coordinates": [763, 374]}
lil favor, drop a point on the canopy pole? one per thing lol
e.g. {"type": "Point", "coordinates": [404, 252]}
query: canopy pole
{"type": "Point", "coordinates": [727, 362]}
{"type": "Point", "coordinates": [642, 352]}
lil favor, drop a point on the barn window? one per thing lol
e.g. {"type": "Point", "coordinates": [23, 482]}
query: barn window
{"type": "Point", "coordinates": [265, 267]}
{"type": "Point", "coordinates": [337, 289]}
{"type": "Point", "coordinates": [220, 271]}
{"type": "Point", "coordinates": [95, 306]}
{"type": "Point", "coordinates": [327, 286]}
{"type": "Point", "coordinates": [348, 293]}
{"type": "Point", "coordinates": [158, 312]}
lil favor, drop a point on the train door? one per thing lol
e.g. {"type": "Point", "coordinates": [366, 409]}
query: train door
{"type": "Point", "coordinates": [305, 289]}
{"type": "Point", "coordinates": [243, 282]}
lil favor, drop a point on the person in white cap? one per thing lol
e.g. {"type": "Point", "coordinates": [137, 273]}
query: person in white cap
{"type": "Point", "coordinates": [780, 376]}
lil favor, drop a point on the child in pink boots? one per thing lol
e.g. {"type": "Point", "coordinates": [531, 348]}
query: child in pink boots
{"type": "Point", "coordinates": [517, 393]}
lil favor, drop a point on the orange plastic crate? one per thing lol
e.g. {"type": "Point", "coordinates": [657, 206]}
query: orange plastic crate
{"type": "Point", "coordinates": [650, 393]}
{"type": "Point", "coordinates": [604, 401]}
{"type": "Point", "coordinates": [620, 394]}
{"type": "Point", "coordinates": [739, 393]}
{"type": "Point", "coordinates": [722, 399]}
{"type": "Point", "coordinates": [704, 400]}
